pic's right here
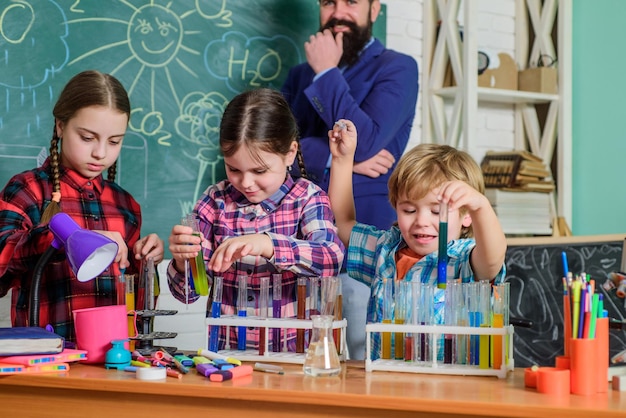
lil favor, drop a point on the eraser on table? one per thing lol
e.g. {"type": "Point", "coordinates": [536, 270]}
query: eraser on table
{"type": "Point", "coordinates": [619, 383]}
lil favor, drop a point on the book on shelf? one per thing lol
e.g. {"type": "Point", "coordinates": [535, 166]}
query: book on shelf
{"type": "Point", "coordinates": [29, 340]}
{"type": "Point", "coordinates": [513, 169]}
{"type": "Point", "coordinates": [521, 212]}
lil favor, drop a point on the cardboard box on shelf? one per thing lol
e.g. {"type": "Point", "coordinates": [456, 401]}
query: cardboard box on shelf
{"type": "Point", "coordinates": [538, 80]}
{"type": "Point", "coordinates": [503, 77]}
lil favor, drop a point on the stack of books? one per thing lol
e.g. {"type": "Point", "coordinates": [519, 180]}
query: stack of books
{"type": "Point", "coordinates": [522, 213]}
{"type": "Point", "coordinates": [35, 350]}
{"type": "Point", "coordinates": [517, 170]}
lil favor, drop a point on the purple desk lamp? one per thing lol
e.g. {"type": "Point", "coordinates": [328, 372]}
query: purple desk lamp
{"type": "Point", "coordinates": [89, 254]}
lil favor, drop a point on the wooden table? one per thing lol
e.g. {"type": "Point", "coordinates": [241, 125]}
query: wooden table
{"type": "Point", "coordinates": [91, 391]}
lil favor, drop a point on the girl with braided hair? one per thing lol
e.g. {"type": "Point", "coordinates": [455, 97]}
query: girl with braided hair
{"type": "Point", "coordinates": [259, 221]}
{"type": "Point", "coordinates": [91, 117]}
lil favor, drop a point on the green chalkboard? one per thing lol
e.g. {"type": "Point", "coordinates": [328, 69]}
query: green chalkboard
{"type": "Point", "coordinates": [181, 62]}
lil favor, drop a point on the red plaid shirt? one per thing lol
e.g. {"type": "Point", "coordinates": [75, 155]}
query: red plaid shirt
{"type": "Point", "coordinates": [95, 205]}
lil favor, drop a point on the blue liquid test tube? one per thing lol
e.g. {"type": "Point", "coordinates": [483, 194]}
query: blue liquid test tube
{"type": "Point", "coordinates": [242, 309]}
{"type": "Point", "coordinates": [277, 301]}
{"type": "Point", "coordinates": [442, 259]}
{"type": "Point", "coordinates": [216, 307]}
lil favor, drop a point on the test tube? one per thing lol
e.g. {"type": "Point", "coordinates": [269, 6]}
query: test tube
{"type": "Point", "coordinates": [442, 256]}
{"type": "Point", "coordinates": [497, 321]}
{"type": "Point", "coordinates": [451, 304]}
{"type": "Point", "coordinates": [328, 295]}
{"type": "Point", "coordinates": [216, 307]}
{"type": "Point", "coordinates": [198, 268]}
{"type": "Point", "coordinates": [472, 301]}
{"type": "Point", "coordinates": [387, 315]}
{"type": "Point", "coordinates": [338, 315]}
{"type": "Point", "coordinates": [400, 309]}
{"type": "Point", "coordinates": [129, 296]}
{"type": "Point", "coordinates": [301, 312]}
{"type": "Point", "coordinates": [242, 309]}
{"type": "Point", "coordinates": [149, 283]}
{"type": "Point", "coordinates": [484, 297]}
{"type": "Point", "coordinates": [120, 288]}
{"type": "Point", "coordinates": [314, 308]}
{"type": "Point", "coordinates": [264, 298]}
{"type": "Point", "coordinates": [314, 299]}
{"type": "Point", "coordinates": [462, 320]}
{"type": "Point", "coordinates": [427, 318]}
{"type": "Point", "coordinates": [277, 301]}
{"type": "Point", "coordinates": [412, 317]}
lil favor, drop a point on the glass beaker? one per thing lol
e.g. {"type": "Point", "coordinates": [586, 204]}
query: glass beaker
{"type": "Point", "coordinates": [321, 357]}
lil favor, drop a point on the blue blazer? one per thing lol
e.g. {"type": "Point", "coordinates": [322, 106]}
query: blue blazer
{"type": "Point", "coordinates": [379, 94]}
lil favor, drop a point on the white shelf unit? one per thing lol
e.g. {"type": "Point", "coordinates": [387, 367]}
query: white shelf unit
{"type": "Point", "coordinates": [269, 356]}
{"type": "Point", "coordinates": [536, 17]}
{"type": "Point", "coordinates": [434, 367]}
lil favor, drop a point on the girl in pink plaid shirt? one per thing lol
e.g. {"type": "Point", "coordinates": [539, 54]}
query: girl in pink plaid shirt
{"type": "Point", "coordinates": [258, 221]}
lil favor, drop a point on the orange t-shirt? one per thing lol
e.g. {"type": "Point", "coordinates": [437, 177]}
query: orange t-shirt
{"type": "Point", "coordinates": [405, 259]}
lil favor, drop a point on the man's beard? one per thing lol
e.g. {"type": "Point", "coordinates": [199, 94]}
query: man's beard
{"type": "Point", "coordinates": [353, 41]}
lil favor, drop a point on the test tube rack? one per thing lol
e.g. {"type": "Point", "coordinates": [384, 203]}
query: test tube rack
{"type": "Point", "coordinates": [435, 366]}
{"type": "Point", "coordinates": [283, 356]}
{"type": "Point", "coordinates": [144, 339]}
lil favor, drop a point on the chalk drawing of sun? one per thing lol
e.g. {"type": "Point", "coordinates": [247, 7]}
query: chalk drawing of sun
{"type": "Point", "coordinates": [157, 39]}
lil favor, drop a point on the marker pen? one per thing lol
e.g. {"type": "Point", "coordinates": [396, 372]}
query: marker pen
{"type": "Point", "coordinates": [206, 369]}
{"type": "Point", "coordinates": [212, 355]}
{"type": "Point", "coordinates": [162, 354]}
{"type": "Point", "coordinates": [223, 375]}
{"type": "Point", "coordinates": [268, 368]}
{"type": "Point", "coordinates": [173, 373]}
{"type": "Point", "coordinates": [137, 363]}
{"type": "Point", "coordinates": [136, 355]}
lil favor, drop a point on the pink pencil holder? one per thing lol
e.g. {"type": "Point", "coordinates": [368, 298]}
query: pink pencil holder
{"type": "Point", "coordinates": [97, 327]}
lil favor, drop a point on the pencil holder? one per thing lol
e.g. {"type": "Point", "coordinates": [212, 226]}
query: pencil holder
{"type": "Point", "coordinates": [553, 381]}
{"type": "Point", "coordinates": [562, 362]}
{"type": "Point", "coordinates": [602, 354]}
{"type": "Point", "coordinates": [583, 364]}
{"type": "Point", "coordinates": [530, 377]}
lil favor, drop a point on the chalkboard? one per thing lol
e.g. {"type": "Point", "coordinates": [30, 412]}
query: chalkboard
{"type": "Point", "coordinates": [535, 271]}
{"type": "Point", "coordinates": [181, 62]}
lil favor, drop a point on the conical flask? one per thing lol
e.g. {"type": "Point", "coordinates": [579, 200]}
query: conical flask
{"type": "Point", "coordinates": [321, 357]}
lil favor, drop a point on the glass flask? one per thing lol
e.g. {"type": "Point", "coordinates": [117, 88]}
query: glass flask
{"type": "Point", "coordinates": [321, 357]}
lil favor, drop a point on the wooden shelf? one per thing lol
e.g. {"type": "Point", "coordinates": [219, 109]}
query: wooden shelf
{"type": "Point", "coordinates": [487, 94]}
{"type": "Point", "coordinates": [450, 115]}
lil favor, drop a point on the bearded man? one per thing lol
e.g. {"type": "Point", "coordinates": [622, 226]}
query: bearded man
{"type": "Point", "coordinates": [349, 74]}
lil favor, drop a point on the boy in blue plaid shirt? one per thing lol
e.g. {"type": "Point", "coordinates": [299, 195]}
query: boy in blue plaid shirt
{"type": "Point", "coordinates": [426, 177]}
